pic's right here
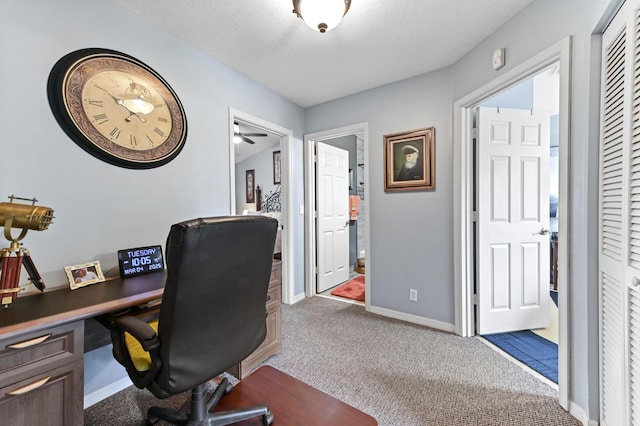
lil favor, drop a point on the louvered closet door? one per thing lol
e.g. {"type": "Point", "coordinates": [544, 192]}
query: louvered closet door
{"type": "Point", "coordinates": [619, 249]}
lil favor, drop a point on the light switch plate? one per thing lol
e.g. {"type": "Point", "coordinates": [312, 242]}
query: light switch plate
{"type": "Point", "coordinates": [498, 58]}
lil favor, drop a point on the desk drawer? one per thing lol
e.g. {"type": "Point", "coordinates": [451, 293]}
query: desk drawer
{"type": "Point", "coordinates": [51, 398]}
{"type": "Point", "coordinates": [33, 353]}
{"type": "Point", "coordinates": [270, 346]}
{"type": "Point", "coordinates": [274, 297]}
{"type": "Point", "coordinates": [276, 274]}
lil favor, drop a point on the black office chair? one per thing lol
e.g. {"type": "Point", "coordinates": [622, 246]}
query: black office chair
{"type": "Point", "coordinates": [212, 316]}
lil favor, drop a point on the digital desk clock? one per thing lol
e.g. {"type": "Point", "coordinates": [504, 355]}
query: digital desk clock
{"type": "Point", "coordinates": [136, 261]}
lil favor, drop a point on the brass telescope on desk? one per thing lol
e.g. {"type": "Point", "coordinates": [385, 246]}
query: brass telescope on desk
{"type": "Point", "coordinates": [24, 216]}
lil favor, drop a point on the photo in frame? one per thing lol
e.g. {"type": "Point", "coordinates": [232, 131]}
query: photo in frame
{"type": "Point", "coordinates": [276, 167]}
{"type": "Point", "coordinates": [84, 274]}
{"type": "Point", "coordinates": [409, 160]}
{"type": "Point", "coordinates": [250, 186]}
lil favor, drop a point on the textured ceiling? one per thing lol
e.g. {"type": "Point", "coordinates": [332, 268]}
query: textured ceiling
{"type": "Point", "coordinates": [378, 41]}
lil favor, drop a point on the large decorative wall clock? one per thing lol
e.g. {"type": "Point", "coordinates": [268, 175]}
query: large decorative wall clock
{"type": "Point", "coordinates": [117, 108]}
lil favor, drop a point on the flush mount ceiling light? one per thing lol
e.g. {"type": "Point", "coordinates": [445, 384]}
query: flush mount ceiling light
{"type": "Point", "coordinates": [321, 15]}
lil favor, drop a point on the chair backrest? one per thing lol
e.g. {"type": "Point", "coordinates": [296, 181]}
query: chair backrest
{"type": "Point", "coordinates": [213, 311]}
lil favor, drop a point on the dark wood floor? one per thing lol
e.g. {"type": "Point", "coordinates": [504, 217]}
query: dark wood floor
{"type": "Point", "coordinates": [292, 402]}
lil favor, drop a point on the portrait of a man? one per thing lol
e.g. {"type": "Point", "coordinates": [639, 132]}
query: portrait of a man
{"type": "Point", "coordinates": [409, 159]}
{"type": "Point", "coordinates": [412, 167]}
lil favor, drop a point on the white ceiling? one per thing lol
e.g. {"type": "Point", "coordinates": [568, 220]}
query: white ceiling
{"type": "Point", "coordinates": [378, 41]}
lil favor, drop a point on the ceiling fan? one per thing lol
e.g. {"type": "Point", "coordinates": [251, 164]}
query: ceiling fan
{"type": "Point", "coordinates": [245, 136]}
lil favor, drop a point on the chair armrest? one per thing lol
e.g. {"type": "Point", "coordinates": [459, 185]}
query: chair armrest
{"type": "Point", "coordinates": [139, 329]}
{"type": "Point", "coordinates": [148, 339]}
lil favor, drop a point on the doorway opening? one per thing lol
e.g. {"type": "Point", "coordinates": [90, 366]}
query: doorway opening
{"type": "Point", "coordinates": [260, 170]}
{"type": "Point", "coordinates": [464, 223]}
{"type": "Point", "coordinates": [352, 138]}
{"type": "Point", "coordinates": [526, 327]}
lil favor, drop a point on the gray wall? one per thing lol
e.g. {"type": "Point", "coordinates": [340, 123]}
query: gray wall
{"type": "Point", "coordinates": [411, 232]}
{"type": "Point", "coordinates": [422, 222]}
{"type": "Point", "coordinates": [262, 163]}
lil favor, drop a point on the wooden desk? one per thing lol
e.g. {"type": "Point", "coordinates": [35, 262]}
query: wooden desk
{"type": "Point", "coordinates": [52, 308]}
{"type": "Point", "coordinates": [292, 402]}
{"type": "Point", "coordinates": [41, 347]}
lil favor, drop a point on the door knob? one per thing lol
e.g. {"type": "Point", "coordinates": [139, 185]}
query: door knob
{"type": "Point", "coordinates": [543, 231]}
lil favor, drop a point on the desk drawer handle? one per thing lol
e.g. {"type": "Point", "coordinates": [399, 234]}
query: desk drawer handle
{"type": "Point", "coordinates": [29, 388]}
{"type": "Point", "coordinates": [28, 343]}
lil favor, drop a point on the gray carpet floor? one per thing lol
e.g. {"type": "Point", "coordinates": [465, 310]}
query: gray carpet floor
{"type": "Point", "coordinates": [402, 374]}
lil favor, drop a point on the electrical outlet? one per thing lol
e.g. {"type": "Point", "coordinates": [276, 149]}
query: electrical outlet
{"type": "Point", "coordinates": [413, 294]}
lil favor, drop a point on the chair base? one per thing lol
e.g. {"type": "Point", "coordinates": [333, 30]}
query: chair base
{"type": "Point", "coordinates": [200, 407]}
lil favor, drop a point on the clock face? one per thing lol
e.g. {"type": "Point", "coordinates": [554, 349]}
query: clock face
{"type": "Point", "coordinates": [117, 108]}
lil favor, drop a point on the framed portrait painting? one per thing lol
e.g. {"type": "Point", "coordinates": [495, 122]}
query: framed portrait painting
{"type": "Point", "coordinates": [276, 167]}
{"type": "Point", "coordinates": [409, 160]}
{"type": "Point", "coordinates": [251, 186]}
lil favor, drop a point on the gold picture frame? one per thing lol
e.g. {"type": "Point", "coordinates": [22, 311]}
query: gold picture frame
{"type": "Point", "coordinates": [409, 160]}
{"type": "Point", "coordinates": [84, 274]}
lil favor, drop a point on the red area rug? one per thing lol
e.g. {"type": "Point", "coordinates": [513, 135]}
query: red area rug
{"type": "Point", "coordinates": [352, 289]}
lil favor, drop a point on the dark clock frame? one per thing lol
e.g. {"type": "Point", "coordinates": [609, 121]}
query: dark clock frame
{"type": "Point", "coordinates": [64, 97]}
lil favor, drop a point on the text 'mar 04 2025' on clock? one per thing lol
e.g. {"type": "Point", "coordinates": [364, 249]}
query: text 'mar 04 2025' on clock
{"type": "Point", "coordinates": [117, 108]}
{"type": "Point", "coordinates": [140, 260]}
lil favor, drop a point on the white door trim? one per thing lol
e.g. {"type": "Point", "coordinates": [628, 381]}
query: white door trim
{"type": "Point", "coordinates": [463, 191]}
{"type": "Point", "coordinates": [310, 254]}
{"type": "Point", "coordinates": [286, 148]}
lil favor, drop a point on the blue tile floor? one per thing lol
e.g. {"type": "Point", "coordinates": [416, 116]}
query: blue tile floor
{"type": "Point", "coordinates": [527, 347]}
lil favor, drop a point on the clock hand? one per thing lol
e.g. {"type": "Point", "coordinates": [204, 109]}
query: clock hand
{"type": "Point", "coordinates": [128, 119]}
{"type": "Point", "coordinates": [122, 104]}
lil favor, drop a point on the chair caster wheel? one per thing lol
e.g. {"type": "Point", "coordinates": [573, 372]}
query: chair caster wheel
{"type": "Point", "coordinates": [267, 419]}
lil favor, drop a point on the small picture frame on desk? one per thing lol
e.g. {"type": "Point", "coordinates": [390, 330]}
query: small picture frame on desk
{"type": "Point", "coordinates": [84, 274]}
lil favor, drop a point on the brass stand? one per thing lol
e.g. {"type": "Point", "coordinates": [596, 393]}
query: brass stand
{"type": "Point", "coordinates": [13, 258]}
{"type": "Point", "coordinates": [10, 272]}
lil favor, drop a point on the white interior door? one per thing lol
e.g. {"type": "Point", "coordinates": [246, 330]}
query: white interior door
{"type": "Point", "coordinates": [333, 216]}
{"type": "Point", "coordinates": [619, 239]}
{"type": "Point", "coordinates": [513, 220]}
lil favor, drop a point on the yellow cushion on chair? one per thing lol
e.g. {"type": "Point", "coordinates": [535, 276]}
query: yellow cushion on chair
{"type": "Point", "coordinates": [141, 358]}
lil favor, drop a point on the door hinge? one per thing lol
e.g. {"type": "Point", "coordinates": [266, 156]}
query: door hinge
{"type": "Point", "coordinates": [474, 216]}
{"type": "Point", "coordinates": [474, 133]}
{"type": "Point", "coordinates": [475, 299]}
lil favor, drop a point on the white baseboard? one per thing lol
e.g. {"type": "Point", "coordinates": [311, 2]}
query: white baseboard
{"type": "Point", "coordinates": [297, 298]}
{"type": "Point", "coordinates": [105, 392]}
{"type": "Point", "coordinates": [438, 325]}
{"type": "Point", "coordinates": [578, 412]}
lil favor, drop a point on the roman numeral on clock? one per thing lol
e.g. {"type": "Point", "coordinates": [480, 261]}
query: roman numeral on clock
{"type": "Point", "coordinates": [101, 118]}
